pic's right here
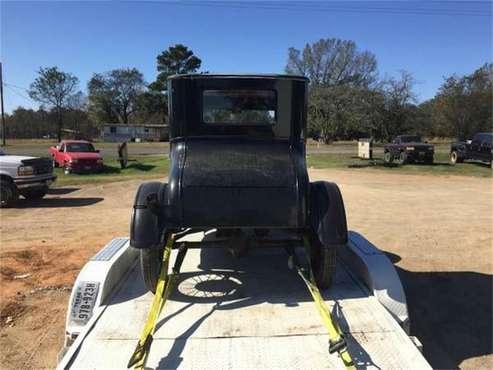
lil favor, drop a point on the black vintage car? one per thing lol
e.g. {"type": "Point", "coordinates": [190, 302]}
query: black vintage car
{"type": "Point", "coordinates": [237, 149]}
{"type": "Point", "coordinates": [480, 148]}
{"type": "Point", "coordinates": [408, 149]}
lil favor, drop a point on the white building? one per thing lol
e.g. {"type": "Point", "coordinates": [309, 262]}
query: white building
{"type": "Point", "coordinates": [134, 132]}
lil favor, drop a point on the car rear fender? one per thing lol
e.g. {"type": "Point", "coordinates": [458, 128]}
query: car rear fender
{"type": "Point", "coordinates": [327, 213]}
{"type": "Point", "coordinates": [146, 225]}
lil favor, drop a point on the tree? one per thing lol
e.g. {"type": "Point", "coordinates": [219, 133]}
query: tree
{"type": "Point", "coordinates": [342, 99]}
{"type": "Point", "coordinates": [344, 112]}
{"type": "Point", "coordinates": [153, 107]}
{"type": "Point", "coordinates": [54, 88]}
{"type": "Point", "coordinates": [463, 105]}
{"type": "Point", "coordinates": [399, 105]}
{"type": "Point", "coordinates": [114, 95]}
{"type": "Point", "coordinates": [28, 123]}
{"type": "Point", "coordinates": [331, 62]}
{"type": "Point", "coordinates": [176, 59]}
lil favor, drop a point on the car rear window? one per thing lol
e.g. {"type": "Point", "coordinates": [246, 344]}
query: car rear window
{"type": "Point", "coordinates": [80, 147]}
{"type": "Point", "coordinates": [410, 139]}
{"type": "Point", "coordinates": [239, 107]}
{"type": "Point", "coordinates": [483, 138]}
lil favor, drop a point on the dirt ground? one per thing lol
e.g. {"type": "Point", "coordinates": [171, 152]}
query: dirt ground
{"type": "Point", "coordinates": [437, 230]}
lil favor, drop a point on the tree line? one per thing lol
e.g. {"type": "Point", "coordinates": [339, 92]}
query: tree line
{"type": "Point", "coordinates": [116, 96]}
{"type": "Point", "coordinates": [348, 98]}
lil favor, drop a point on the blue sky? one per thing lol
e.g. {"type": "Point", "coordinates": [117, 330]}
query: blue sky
{"type": "Point", "coordinates": [430, 39]}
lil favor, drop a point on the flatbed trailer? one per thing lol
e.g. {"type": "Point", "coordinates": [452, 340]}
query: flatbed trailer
{"type": "Point", "coordinates": [252, 312]}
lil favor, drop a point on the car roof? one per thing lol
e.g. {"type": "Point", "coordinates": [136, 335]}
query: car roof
{"type": "Point", "coordinates": [264, 76]}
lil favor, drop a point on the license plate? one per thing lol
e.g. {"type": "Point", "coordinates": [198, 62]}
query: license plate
{"type": "Point", "coordinates": [87, 167]}
{"type": "Point", "coordinates": [84, 300]}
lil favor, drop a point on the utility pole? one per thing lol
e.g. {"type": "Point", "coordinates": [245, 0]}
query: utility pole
{"type": "Point", "coordinates": [1, 103]}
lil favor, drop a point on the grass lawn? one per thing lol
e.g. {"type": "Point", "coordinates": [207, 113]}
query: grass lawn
{"type": "Point", "coordinates": [440, 166]}
{"type": "Point", "coordinates": [142, 167]}
{"type": "Point", "coordinates": [156, 166]}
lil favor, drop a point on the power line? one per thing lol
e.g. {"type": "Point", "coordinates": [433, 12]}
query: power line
{"type": "Point", "coordinates": [18, 93]}
{"type": "Point", "coordinates": [19, 87]}
{"type": "Point", "coordinates": [336, 8]}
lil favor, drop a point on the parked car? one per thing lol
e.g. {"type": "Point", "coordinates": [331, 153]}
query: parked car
{"type": "Point", "coordinates": [76, 156]}
{"type": "Point", "coordinates": [237, 164]}
{"type": "Point", "coordinates": [408, 149]}
{"type": "Point", "coordinates": [480, 148]}
{"type": "Point", "coordinates": [22, 175]}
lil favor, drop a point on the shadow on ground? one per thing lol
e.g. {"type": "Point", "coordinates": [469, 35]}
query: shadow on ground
{"type": "Point", "coordinates": [132, 166]}
{"type": "Point", "coordinates": [57, 202]}
{"type": "Point", "coordinates": [451, 314]}
{"type": "Point", "coordinates": [62, 191]}
{"type": "Point", "coordinates": [381, 163]}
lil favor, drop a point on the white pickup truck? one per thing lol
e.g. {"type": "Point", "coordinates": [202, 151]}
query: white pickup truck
{"type": "Point", "coordinates": [26, 176]}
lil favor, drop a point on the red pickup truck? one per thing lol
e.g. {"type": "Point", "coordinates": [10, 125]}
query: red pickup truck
{"type": "Point", "coordinates": [76, 156]}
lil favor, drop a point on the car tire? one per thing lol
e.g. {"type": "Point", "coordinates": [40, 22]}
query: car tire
{"type": "Point", "coordinates": [323, 262]}
{"type": "Point", "coordinates": [455, 158]}
{"type": "Point", "coordinates": [66, 170]}
{"type": "Point", "coordinates": [403, 159]}
{"type": "Point", "coordinates": [36, 193]}
{"type": "Point", "coordinates": [388, 158]}
{"type": "Point", "coordinates": [150, 264]}
{"type": "Point", "coordinates": [8, 193]}
{"type": "Point", "coordinates": [55, 163]}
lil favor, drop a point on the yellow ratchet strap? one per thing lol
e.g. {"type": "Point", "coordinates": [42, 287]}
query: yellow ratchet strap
{"type": "Point", "coordinates": [337, 343]}
{"type": "Point", "coordinates": [163, 290]}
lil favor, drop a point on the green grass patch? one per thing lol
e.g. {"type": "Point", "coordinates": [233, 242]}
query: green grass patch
{"type": "Point", "coordinates": [150, 166]}
{"type": "Point", "coordinates": [141, 167]}
{"type": "Point", "coordinates": [440, 166]}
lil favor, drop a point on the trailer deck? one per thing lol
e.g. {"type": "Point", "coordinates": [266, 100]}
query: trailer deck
{"type": "Point", "coordinates": [251, 312]}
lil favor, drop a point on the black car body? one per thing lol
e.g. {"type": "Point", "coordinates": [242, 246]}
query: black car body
{"type": "Point", "coordinates": [237, 150]}
{"type": "Point", "coordinates": [480, 148]}
{"type": "Point", "coordinates": [408, 149]}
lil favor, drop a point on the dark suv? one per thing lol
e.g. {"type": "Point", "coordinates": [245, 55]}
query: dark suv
{"type": "Point", "coordinates": [237, 150]}
{"type": "Point", "coordinates": [480, 148]}
{"type": "Point", "coordinates": [407, 149]}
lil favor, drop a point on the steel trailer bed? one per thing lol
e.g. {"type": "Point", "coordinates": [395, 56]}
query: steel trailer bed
{"type": "Point", "coordinates": [229, 313]}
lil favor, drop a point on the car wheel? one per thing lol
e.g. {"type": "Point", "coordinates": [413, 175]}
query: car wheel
{"type": "Point", "coordinates": [151, 260]}
{"type": "Point", "coordinates": [323, 261]}
{"type": "Point", "coordinates": [66, 170]}
{"type": "Point", "coordinates": [55, 163]}
{"type": "Point", "coordinates": [8, 193]}
{"type": "Point", "coordinates": [454, 158]}
{"type": "Point", "coordinates": [388, 158]}
{"type": "Point", "coordinates": [403, 159]}
{"type": "Point", "coordinates": [36, 193]}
